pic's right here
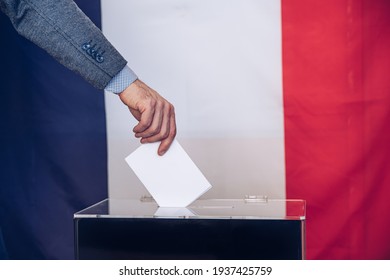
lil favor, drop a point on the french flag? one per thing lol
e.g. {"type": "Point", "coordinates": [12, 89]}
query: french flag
{"type": "Point", "coordinates": [287, 99]}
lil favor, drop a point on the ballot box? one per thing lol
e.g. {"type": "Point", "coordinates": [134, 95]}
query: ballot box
{"type": "Point", "coordinates": [224, 229]}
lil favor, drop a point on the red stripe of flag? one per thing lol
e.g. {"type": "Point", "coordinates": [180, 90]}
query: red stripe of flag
{"type": "Point", "coordinates": [336, 79]}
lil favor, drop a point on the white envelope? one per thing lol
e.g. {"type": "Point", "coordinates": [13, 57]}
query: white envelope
{"type": "Point", "coordinates": [173, 212]}
{"type": "Point", "coordinates": [172, 179]}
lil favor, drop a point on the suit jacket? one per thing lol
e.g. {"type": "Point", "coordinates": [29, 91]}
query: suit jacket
{"type": "Point", "coordinates": [66, 33]}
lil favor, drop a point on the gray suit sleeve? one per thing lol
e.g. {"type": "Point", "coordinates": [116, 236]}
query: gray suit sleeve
{"type": "Point", "coordinates": [66, 33]}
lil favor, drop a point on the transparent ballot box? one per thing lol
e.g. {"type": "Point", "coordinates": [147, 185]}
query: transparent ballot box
{"type": "Point", "coordinates": [250, 228]}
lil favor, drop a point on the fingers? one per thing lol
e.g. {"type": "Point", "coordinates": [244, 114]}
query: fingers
{"type": "Point", "coordinates": [162, 127]}
{"type": "Point", "coordinates": [147, 116]}
{"type": "Point", "coordinates": [166, 143]}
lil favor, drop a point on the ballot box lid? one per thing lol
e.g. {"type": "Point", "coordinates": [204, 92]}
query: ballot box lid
{"type": "Point", "coordinates": [252, 207]}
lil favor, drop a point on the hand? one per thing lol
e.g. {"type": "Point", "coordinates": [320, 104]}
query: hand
{"type": "Point", "coordinates": [156, 115]}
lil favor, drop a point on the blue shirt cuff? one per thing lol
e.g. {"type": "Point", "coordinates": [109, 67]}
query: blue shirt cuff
{"type": "Point", "coordinates": [121, 81]}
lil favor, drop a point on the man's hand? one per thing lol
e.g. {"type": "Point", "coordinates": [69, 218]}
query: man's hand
{"type": "Point", "coordinates": [156, 115]}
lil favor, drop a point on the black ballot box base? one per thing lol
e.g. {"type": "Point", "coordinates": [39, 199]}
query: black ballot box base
{"type": "Point", "coordinates": [186, 238]}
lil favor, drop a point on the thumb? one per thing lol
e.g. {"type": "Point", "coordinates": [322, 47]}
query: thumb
{"type": "Point", "coordinates": [135, 113]}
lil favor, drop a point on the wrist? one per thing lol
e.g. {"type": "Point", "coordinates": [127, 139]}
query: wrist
{"type": "Point", "coordinates": [128, 93]}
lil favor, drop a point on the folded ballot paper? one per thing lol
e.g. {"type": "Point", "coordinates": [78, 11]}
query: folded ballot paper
{"type": "Point", "coordinates": [172, 179]}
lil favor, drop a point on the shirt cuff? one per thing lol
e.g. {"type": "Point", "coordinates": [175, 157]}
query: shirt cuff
{"type": "Point", "coordinates": [121, 80]}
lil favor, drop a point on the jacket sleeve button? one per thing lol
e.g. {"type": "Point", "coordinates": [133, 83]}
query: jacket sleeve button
{"type": "Point", "coordinates": [99, 58]}
{"type": "Point", "coordinates": [86, 46]}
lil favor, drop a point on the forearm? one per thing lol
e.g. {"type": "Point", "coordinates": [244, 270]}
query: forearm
{"type": "Point", "coordinates": [67, 34]}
